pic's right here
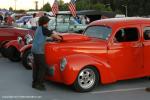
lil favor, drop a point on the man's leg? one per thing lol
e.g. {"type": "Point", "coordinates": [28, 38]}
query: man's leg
{"type": "Point", "coordinates": [42, 69]}
{"type": "Point", "coordinates": [35, 69]}
{"type": "Point", "coordinates": [39, 72]}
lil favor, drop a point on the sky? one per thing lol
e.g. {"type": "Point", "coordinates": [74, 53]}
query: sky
{"type": "Point", "coordinates": [24, 4]}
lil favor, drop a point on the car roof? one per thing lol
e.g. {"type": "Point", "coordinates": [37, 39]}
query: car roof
{"type": "Point", "coordinates": [121, 21]}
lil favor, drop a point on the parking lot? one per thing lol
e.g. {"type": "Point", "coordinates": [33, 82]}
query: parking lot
{"type": "Point", "coordinates": [15, 84]}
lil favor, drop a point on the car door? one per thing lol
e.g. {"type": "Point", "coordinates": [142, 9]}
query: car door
{"type": "Point", "coordinates": [146, 43]}
{"type": "Point", "coordinates": [125, 53]}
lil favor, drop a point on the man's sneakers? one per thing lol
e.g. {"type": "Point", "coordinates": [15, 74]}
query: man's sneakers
{"type": "Point", "coordinates": [40, 87]}
{"type": "Point", "coordinates": [147, 89]}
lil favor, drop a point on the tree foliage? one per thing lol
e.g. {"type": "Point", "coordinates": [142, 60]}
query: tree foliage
{"type": "Point", "coordinates": [134, 7]}
{"type": "Point", "coordinates": [84, 5]}
{"type": "Point", "coordinates": [46, 7]}
{"type": "Point", "coordinates": [10, 9]}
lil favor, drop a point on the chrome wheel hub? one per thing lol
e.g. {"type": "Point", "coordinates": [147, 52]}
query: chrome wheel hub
{"type": "Point", "coordinates": [30, 60]}
{"type": "Point", "coordinates": [86, 78]}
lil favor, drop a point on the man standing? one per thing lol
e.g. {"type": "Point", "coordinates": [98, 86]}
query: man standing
{"type": "Point", "coordinates": [1, 19]}
{"type": "Point", "coordinates": [39, 68]}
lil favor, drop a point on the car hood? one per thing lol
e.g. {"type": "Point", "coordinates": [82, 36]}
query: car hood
{"type": "Point", "coordinates": [73, 37]}
{"type": "Point", "coordinates": [74, 40]}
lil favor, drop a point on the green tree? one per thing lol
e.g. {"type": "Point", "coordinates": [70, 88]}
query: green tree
{"type": "Point", "coordinates": [10, 9]}
{"type": "Point", "coordinates": [99, 6]}
{"type": "Point", "coordinates": [31, 9]}
{"type": "Point", "coordinates": [46, 7]}
{"type": "Point", "coordinates": [90, 4]}
{"type": "Point", "coordinates": [20, 11]}
{"type": "Point", "coordinates": [60, 2]}
{"type": "Point", "coordinates": [63, 7]}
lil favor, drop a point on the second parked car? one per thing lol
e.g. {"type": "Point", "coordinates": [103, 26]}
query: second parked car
{"type": "Point", "coordinates": [8, 33]}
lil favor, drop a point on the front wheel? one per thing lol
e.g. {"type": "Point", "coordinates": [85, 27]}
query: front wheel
{"type": "Point", "coordinates": [87, 79]}
{"type": "Point", "coordinates": [27, 59]}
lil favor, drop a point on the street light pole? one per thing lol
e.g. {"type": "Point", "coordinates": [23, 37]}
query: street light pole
{"type": "Point", "coordinates": [36, 5]}
{"type": "Point", "coordinates": [126, 8]}
{"type": "Point", "coordinates": [43, 3]}
{"type": "Point", "coordinates": [15, 4]}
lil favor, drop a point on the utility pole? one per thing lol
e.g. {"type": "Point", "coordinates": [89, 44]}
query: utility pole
{"type": "Point", "coordinates": [15, 4]}
{"type": "Point", "coordinates": [43, 3]}
{"type": "Point", "coordinates": [36, 5]}
{"type": "Point", "coordinates": [126, 9]}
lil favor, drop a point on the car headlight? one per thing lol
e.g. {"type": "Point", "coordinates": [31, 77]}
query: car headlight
{"type": "Point", "coordinates": [28, 39]}
{"type": "Point", "coordinates": [63, 64]}
{"type": "Point", "coordinates": [19, 39]}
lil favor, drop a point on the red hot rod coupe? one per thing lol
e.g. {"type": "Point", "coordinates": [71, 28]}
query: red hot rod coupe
{"type": "Point", "coordinates": [8, 33]}
{"type": "Point", "coordinates": [109, 50]}
{"type": "Point", "coordinates": [14, 46]}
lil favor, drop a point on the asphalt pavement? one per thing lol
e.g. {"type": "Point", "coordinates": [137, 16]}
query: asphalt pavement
{"type": "Point", "coordinates": [15, 84]}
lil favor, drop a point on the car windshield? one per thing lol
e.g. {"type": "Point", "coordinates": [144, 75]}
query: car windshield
{"type": "Point", "coordinates": [101, 32]}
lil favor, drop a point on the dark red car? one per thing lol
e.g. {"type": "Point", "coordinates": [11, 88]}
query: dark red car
{"type": "Point", "coordinates": [8, 33]}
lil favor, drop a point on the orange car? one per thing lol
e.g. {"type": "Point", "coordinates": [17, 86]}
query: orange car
{"type": "Point", "coordinates": [108, 51]}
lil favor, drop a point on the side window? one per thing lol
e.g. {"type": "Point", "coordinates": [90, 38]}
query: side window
{"type": "Point", "coordinates": [127, 35]}
{"type": "Point", "coordinates": [147, 33]}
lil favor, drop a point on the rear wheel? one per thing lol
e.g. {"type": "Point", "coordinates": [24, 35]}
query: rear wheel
{"type": "Point", "coordinates": [27, 59]}
{"type": "Point", "coordinates": [14, 54]}
{"type": "Point", "coordinates": [87, 79]}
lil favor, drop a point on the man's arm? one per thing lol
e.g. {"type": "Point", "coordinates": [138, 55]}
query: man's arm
{"type": "Point", "coordinates": [51, 33]}
{"type": "Point", "coordinates": [47, 32]}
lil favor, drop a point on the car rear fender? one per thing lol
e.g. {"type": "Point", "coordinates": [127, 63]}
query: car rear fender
{"type": "Point", "coordinates": [77, 62]}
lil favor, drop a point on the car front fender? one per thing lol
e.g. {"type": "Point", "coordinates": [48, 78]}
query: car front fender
{"type": "Point", "coordinates": [75, 63]}
{"type": "Point", "coordinates": [2, 44]}
{"type": "Point", "coordinates": [14, 43]}
{"type": "Point", "coordinates": [26, 47]}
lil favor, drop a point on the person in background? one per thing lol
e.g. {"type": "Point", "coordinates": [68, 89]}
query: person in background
{"type": "Point", "coordinates": [1, 19]}
{"type": "Point", "coordinates": [10, 20]}
{"type": "Point", "coordinates": [83, 20]}
{"type": "Point", "coordinates": [33, 22]}
{"type": "Point", "coordinates": [25, 25]}
{"type": "Point", "coordinates": [78, 19]}
{"type": "Point", "coordinates": [45, 14]}
{"type": "Point", "coordinates": [5, 19]}
{"type": "Point", "coordinates": [40, 66]}
{"type": "Point", "coordinates": [87, 20]}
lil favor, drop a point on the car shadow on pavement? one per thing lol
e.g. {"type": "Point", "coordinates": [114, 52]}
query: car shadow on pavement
{"type": "Point", "coordinates": [59, 86]}
{"type": "Point", "coordinates": [126, 84]}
